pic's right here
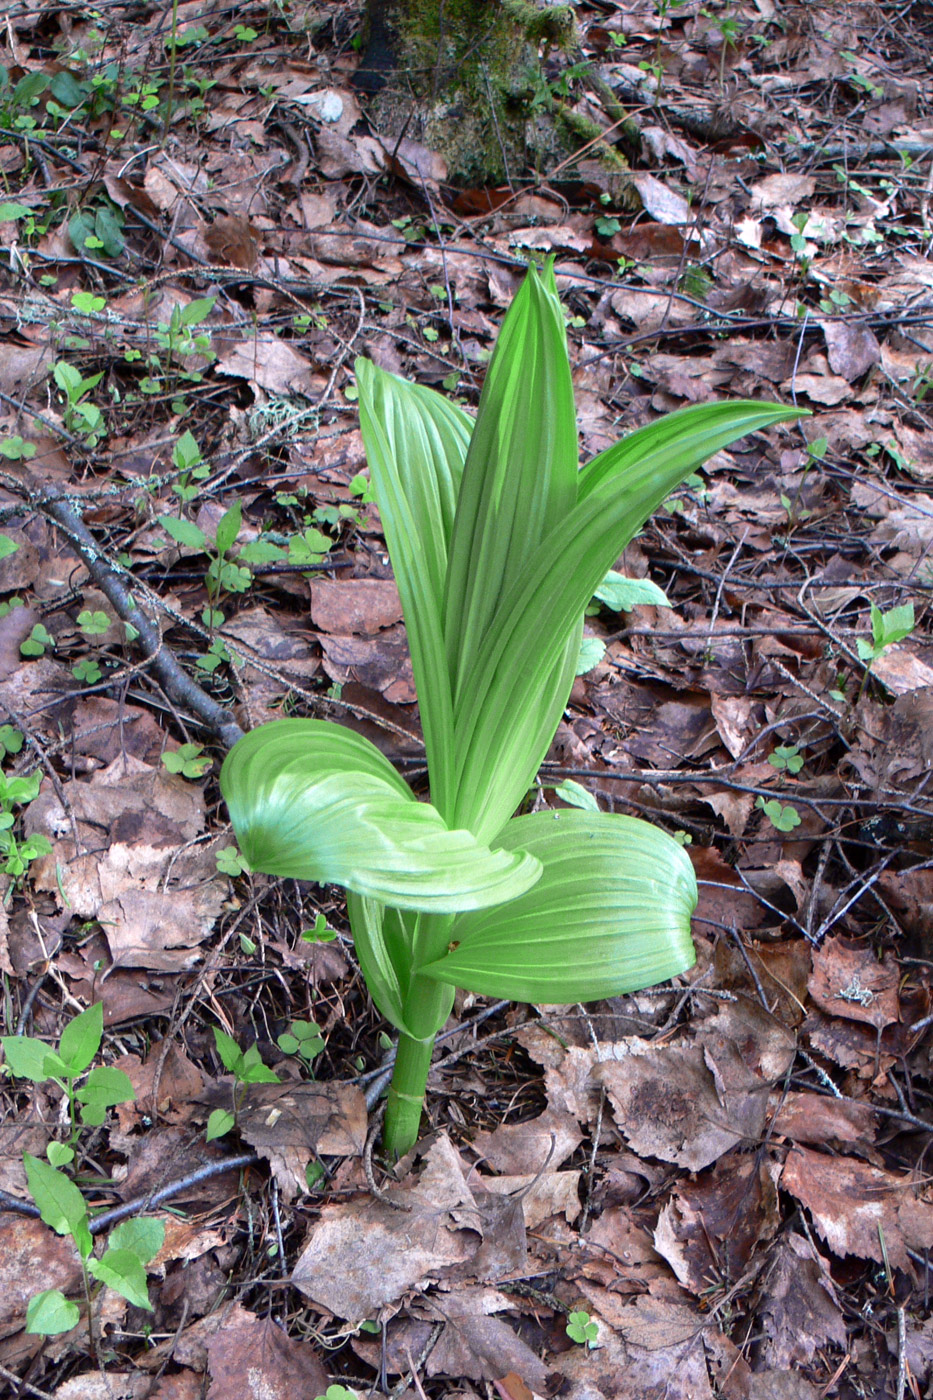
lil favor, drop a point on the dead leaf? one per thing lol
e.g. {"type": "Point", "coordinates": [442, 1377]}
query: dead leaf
{"type": "Point", "coordinates": [800, 1303]}
{"type": "Point", "coordinates": [684, 1104]}
{"type": "Point", "coordinates": [662, 203]}
{"type": "Point", "coordinates": [852, 349]}
{"type": "Point", "coordinates": [364, 1255]}
{"type": "Point", "coordinates": [272, 364]}
{"type": "Point", "coordinates": [710, 1227]}
{"type": "Point", "coordinates": [350, 606]}
{"type": "Point", "coordinates": [29, 1250]}
{"type": "Point", "coordinates": [255, 1360]}
{"type": "Point", "coordinates": [291, 1123]}
{"type": "Point", "coordinates": [859, 1209]}
{"type": "Point", "coordinates": [850, 982]}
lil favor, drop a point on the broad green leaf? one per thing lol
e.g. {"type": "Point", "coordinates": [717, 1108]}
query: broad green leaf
{"type": "Point", "coordinates": [81, 1038]}
{"type": "Point", "coordinates": [125, 1273]}
{"type": "Point", "coordinates": [50, 1312]}
{"type": "Point", "coordinates": [142, 1234]}
{"type": "Point", "coordinates": [228, 527]}
{"type": "Point", "coordinates": [311, 800]}
{"type": "Point", "coordinates": [104, 1087]}
{"type": "Point", "coordinates": [219, 1123]}
{"type": "Point", "coordinates": [26, 1057]}
{"type": "Point", "coordinates": [416, 443]}
{"type": "Point", "coordinates": [575, 795]}
{"type": "Point", "coordinates": [516, 661]}
{"type": "Point", "coordinates": [592, 651]}
{"type": "Point", "coordinates": [231, 1056]}
{"type": "Point", "coordinates": [610, 914]}
{"type": "Point", "coordinates": [520, 475]}
{"type": "Point", "coordinates": [60, 1203]}
{"type": "Point", "coordinates": [621, 594]}
{"type": "Point", "coordinates": [183, 531]}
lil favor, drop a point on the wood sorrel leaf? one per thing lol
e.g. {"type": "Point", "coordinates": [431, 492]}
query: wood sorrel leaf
{"type": "Point", "coordinates": [311, 800]}
{"type": "Point", "coordinates": [610, 914]}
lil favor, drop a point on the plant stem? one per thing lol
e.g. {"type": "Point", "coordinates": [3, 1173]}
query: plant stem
{"type": "Point", "coordinates": [427, 1007]}
{"type": "Point", "coordinates": [406, 1094]}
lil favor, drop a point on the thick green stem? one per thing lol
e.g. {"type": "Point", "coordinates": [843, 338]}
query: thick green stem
{"type": "Point", "coordinates": [427, 1008]}
{"type": "Point", "coordinates": [406, 1094]}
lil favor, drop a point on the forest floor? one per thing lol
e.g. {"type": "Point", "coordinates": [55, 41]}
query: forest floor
{"type": "Point", "coordinates": [719, 1188]}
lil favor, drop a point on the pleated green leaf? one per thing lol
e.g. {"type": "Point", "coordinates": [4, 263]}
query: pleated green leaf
{"type": "Point", "coordinates": [311, 800]}
{"type": "Point", "coordinates": [520, 475]}
{"type": "Point", "coordinates": [416, 443]}
{"type": "Point", "coordinates": [510, 684]}
{"type": "Point", "coordinates": [610, 914]}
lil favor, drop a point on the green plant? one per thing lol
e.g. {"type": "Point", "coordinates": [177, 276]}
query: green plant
{"type": "Point", "coordinates": [188, 759]}
{"type": "Point", "coordinates": [81, 418]}
{"type": "Point", "coordinates": [886, 629]}
{"type": "Point", "coordinates": [16, 853]}
{"type": "Point", "coordinates": [230, 862]}
{"type": "Point", "coordinates": [303, 1038]}
{"type": "Point", "coordinates": [247, 1067]}
{"type": "Point", "coordinates": [498, 544]}
{"type": "Point", "coordinates": [36, 643]}
{"type": "Point", "coordinates": [786, 758]}
{"type": "Point", "coordinates": [133, 1243]}
{"type": "Point", "coordinates": [781, 818]}
{"type": "Point", "coordinates": [581, 1328]}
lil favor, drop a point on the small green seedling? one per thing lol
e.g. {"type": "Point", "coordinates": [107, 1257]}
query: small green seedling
{"type": "Point", "coordinates": [303, 1038]}
{"type": "Point", "coordinates": [93, 624]}
{"type": "Point", "coordinates": [786, 758]}
{"type": "Point", "coordinates": [16, 853]}
{"type": "Point", "coordinates": [886, 629]}
{"type": "Point", "coordinates": [81, 417]}
{"type": "Point", "coordinates": [581, 1328]}
{"type": "Point", "coordinates": [320, 933]}
{"type": "Point", "coordinates": [122, 1267]}
{"type": "Point", "coordinates": [90, 1093]}
{"type": "Point", "coordinates": [247, 1067]}
{"type": "Point", "coordinates": [188, 760]}
{"type": "Point", "coordinates": [338, 1392]}
{"type": "Point", "coordinates": [186, 456]}
{"type": "Point", "coordinates": [104, 1087]}
{"type": "Point", "coordinates": [231, 862]}
{"type": "Point", "coordinates": [498, 543]}
{"type": "Point", "coordinates": [37, 642]}
{"type": "Point", "coordinates": [11, 740]}
{"type": "Point", "coordinates": [15, 449]}
{"type": "Point", "coordinates": [782, 818]}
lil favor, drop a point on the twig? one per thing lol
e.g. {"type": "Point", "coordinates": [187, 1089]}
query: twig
{"type": "Point", "coordinates": [178, 684]}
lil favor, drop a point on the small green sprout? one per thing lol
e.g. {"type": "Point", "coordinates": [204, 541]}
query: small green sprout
{"type": "Point", "coordinates": [781, 818]}
{"type": "Point", "coordinates": [786, 758]}
{"type": "Point", "coordinates": [582, 1329]}
{"type": "Point", "coordinates": [187, 760]}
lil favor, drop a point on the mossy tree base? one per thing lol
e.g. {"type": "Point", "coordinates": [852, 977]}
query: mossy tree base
{"type": "Point", "coordinates": [466, 79]}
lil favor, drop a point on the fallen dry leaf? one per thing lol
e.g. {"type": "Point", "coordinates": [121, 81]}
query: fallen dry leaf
{"type": "Point", "coordinates": [254, 1359]}
{"type": "Point", "coordinates": [859, 1209]}
{"type": "Point", "coordinates": [800, 1304]}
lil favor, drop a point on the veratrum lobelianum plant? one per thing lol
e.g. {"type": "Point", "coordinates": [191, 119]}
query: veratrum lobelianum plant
{"type": "Point", "coordinates": [498, 543]}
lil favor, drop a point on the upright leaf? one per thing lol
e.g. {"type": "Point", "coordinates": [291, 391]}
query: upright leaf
{"type": "Point", "coordinates": [610, 914]}
{"type": "Point", "coordinates": [520, 475]}
{"type": "Point", "coordinates": [81, 1038]}
{"type": "Point", "coordinates": [310, 800]}
{"type": "Point", "coordinates": [518, 658]}
{"type": "Point", "coordinates": [416, 443]}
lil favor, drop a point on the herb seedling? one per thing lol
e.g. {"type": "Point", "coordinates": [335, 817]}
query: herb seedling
{"type": "Point", "coordinates": [498, 544]}
{"type": "Point", "coordinates": [582, 1329]}
{"type": "Point", "coordinates": [247, 1067]}
{"type": "Point", "coordinates": [131, 1244]}
{"type": "Point", "coordinates": [16, 853]}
